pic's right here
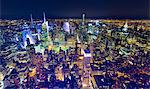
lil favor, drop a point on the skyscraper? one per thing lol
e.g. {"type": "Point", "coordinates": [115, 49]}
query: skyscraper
{"type": "Point", "coordinates": [125, 26]}
{"type": "Point", "coordinates": [83, 19]}
{"type": "Point", "coordinates": [45, 27]}
{"type": "Point", "coordinates": [27, 34]}
{"type": "Point", "coordinates": [66, 27]}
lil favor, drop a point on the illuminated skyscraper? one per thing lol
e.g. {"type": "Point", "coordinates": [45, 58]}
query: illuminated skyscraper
{"type": "Point", "coordinates": [78, 40]}
{"type": "Point", "coordinates": [44, 17]}
{"type": "Point", "coordinates": [27, 34]}
{"type": "Point", "coordinates": [66, 27]}
{"type": "Point", "coordinates": [125, 26]}
{"type": "Point", "coordinates": [45, 27]}
{"type": "Point", "coordinates": [83, 19]}
{"type": "Point", "coordinates": [90, 28]}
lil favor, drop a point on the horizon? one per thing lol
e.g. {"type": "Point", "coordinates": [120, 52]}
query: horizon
{"type": "Point", "coordinates": [94, 18]}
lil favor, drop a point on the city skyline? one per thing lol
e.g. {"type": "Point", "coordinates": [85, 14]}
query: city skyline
{"type": "Point", "coordinates": [80, 44]}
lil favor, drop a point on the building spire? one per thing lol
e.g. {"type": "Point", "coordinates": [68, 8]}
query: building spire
{"type": "Point", "coordinates": [83, 19]}
{"type": "Point", "coordinates": [78, 40]}
{"type": "Point", "coordinates": [31, 18]}
{"type": "Point", "coordinates": [125, 26]}
{"type": "Point", "coordinates": [44, 16]}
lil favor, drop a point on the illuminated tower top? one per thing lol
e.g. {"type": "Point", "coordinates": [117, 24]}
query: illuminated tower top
{"type": "Point", "coordinates": [45, 25]}
{"type": "Point", "coordinates": [83, 19]}
{"type": "Point", "coordinates": [44, 17]}
{"type": "Point", "coordinates": [78, 40]}
{"type": "Point", "coordinates": [125, 26]}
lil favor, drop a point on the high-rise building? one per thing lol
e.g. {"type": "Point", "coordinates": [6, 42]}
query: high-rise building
{"type": "Point", "coordinates": [125, 26]}
{"type": "Point", "coordinates": [45, 27]}
{"type": "Point", "coordinates": [83, 19]}
{"type": "Point", "coordinates": [27, 34]}
{"type": "Point", "coordinates": [66, 27]}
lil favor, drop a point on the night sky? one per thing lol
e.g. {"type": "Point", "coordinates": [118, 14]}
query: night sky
{"type": "Point", "coordinates": [120, 9]}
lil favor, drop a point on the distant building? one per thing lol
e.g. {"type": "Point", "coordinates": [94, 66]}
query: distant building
{"type": "Point", "coordinates": [45, 27]}
{"type": "Point", "coordinates": [90, 28]}
{"type": "Point", "coordinates": [125, 27]}
{"type": "Point", "coordinates": [83, 19]}
{"type": "Point", "coordinates": [8, 35]}
{"type": "Point", "coordinates": [66, 27]}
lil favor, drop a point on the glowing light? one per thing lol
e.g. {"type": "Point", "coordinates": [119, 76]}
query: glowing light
{"type": "Point", "coordinates": [39, 49]}
{"type": "Point", "coordinates": [125, 27]}
{"type": "Point", "coordinates": [97, 22]}
{"type": "Point", "coordinates": [84, 85]}
{"type": "Point", "coordinates": [30, 39]}
{"type": "Point", "coordinates": [59, 74]}
{"type": "Point", "coordinates": [81, 57]}
{"type": "Point", "coordinates": [50, 47]}
{"type": "Point", "coordinates": [33, 73]}
{"type": "Point", "coordinates": [78, 39]}
{"type": "Point", "coordinates": [89, 24]}
{"type": "Point", "coordinates": [27, 34]}
{"type": "Point", "coordinates": [104, 25]}
{"type": "Point", "coordinates": [64, 47]}
{"type": "Point", "coordinates": [1, 76]}
{"type": "Point", "coordinates": [131, 41]}
{"type": "Point", "coordinates": [1, 84]}
{"type": "Point", "coordinates": [85, 54]}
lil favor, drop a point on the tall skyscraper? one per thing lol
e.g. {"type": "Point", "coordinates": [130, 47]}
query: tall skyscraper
{"type": "Point", "coordinates": [27, 34]}
{"type": "Point", "coordinates": [125, 26]}
{"type": "Point", "coordinates": [83, 19]}
{"type": "Point", "coordinates": [44, 17]}
{"type": "Point", "coordinates": [66, 27]}
{"type": "Point", "coordinates": [45, 26]}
